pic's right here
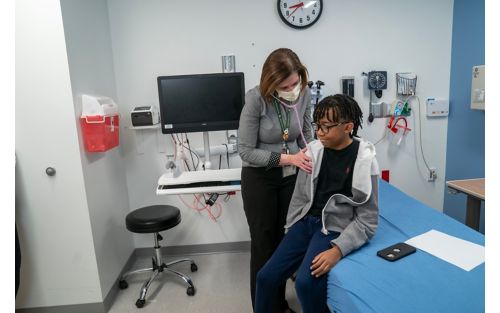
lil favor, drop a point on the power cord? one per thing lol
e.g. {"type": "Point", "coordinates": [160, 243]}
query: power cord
{"type": "Point", "coordinates": [191, 153]}
{"type": "Point", "coordinates": [420, 129]}
{"type": "Point", "coordinates": [200, 206]}
{"type": "Point", "coordinates": [383, 137]}
{"type": "Point", "coordinates": [227, 155]}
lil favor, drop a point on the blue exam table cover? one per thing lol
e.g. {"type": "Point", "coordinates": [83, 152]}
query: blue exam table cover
{"type": "Point", "coordinates": [365, 283]}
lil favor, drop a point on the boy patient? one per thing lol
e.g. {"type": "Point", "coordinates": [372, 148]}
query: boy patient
{"type": "Point", "coordinates": [333, 211]}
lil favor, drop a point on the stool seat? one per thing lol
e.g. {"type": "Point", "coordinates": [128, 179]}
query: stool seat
{"type": "Point", "coordinates": [153, 219]}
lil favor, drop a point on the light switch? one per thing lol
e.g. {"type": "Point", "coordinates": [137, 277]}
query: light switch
{"type": "Point", "coordinates": [477, 95]}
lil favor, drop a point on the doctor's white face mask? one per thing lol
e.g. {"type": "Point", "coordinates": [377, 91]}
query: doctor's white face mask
{"type": "Point", "coordinates": [290, 95]}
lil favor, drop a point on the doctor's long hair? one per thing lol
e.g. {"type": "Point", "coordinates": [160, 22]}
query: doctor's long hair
{"type": "Point", "coordinates": [279, 65]}
{"type": "Point", "coordinates": [344, 109]}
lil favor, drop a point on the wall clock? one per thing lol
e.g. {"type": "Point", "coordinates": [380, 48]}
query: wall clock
{"type": "Point", "coordinates": [300, 14]}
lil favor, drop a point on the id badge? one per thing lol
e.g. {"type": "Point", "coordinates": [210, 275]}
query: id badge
{"type": "Point", "coordinates": [289, 170]}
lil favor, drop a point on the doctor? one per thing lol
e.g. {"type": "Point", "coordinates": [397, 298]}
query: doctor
{"type": "Point", "coordinates": [275, 126]}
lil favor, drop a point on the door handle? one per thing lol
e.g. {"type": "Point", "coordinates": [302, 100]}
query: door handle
{"type": "Point", "coordinates": [50, 171]}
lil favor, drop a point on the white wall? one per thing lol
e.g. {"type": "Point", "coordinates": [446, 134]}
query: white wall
{"type": "Point", "coordinates": [90, 60]}
{"type": "Point", "coordinates": [160, 37]}
{"type": "Point", "coordinates": [58, 261]}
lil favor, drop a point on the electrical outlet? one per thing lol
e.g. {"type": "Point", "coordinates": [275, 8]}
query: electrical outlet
{"type": "Point", "coordinates": [232, 139]}
{"type": "Point", "coordinates": [432, 175]}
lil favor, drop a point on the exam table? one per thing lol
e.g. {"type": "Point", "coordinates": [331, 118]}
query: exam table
{"type": "Point", "coordinates": [365, 283]}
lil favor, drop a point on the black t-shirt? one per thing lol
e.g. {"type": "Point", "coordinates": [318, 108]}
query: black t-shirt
{"type": "Point", "coordinates": [335, 175]}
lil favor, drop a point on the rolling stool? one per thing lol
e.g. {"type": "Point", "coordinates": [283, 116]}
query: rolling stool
{"type": "Point", "coordinates": [154, 219]}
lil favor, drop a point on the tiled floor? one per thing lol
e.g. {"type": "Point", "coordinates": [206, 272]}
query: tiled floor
{"type": "Point", "coordinates": [222, 286]}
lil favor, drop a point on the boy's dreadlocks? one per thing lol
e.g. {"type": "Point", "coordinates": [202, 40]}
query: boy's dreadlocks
{"type": "Point", "coordinates": [344, 109]}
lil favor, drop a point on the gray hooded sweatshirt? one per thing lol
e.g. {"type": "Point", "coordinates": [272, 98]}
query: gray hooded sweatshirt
{"type": "Point", "coordinates": [356, 217]}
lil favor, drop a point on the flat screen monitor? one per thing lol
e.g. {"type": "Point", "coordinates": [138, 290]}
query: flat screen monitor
{"type": "Point", "coordinates": [201, 102]}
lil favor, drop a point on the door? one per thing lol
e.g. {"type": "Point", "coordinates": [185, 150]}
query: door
{"type": "Point", "coordinates": [58, 259]}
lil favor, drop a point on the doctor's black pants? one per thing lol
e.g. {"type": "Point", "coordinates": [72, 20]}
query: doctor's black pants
{"type": "Point", "coordinates": [266, 195]}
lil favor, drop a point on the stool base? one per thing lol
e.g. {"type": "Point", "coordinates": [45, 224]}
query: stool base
{"type": "Point", "coordinates": [157, 268]}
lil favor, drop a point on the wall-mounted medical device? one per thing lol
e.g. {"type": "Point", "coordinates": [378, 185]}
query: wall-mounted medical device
{"type": "Point", "coordinates": [398, 129]}
{"type": "Point", "coordinates": [316, 91]}
{"type": "Point", "coordinates": [347, 85]}
{"type": "Point", "coordinates": [406, 84]}
{"type": "Point", "coordinates": [477, 96]}
{"type": "Point", "coordinates": [228, 63]}
{"type": "Point", "coordinates": [100, 123]}
{"type": "Point", "coordinates": [145, 116]}
{"type": "Point", "coordinates": [437, 107]}
{"type": "Point", "coordinates": [376, 81]}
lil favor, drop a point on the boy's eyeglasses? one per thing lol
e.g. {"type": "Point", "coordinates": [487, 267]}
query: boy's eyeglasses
{"type": "Point", "coordinates": [325, 128]}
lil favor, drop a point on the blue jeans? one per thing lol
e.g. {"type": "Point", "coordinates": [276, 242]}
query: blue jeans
{"type": "Point", "coordinates": [295, 253]}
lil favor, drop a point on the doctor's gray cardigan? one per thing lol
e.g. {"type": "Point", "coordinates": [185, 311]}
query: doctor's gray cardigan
{"type": "Point", "coordinates": [260, 139]}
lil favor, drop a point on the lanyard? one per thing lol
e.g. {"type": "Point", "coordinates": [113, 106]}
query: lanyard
{"type": "Point", "coordinates": [284, 126]}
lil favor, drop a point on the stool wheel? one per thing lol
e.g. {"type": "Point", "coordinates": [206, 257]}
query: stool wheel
{"type": "Point", "coordinates": [190, 291]}
{"type": "Point", "coordinates": [194, 267]}
{"type": "Point", "coordinates": [122, 284]}
{"type": "Point", "coordinates": [140, 303]}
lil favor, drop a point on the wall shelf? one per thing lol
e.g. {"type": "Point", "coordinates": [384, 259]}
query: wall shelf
{"type": "Point", "coordinates": [156, 126]}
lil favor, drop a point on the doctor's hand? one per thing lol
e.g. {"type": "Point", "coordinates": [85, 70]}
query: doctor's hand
{"type": "Point", "coordinates": [301, 160]}
{"type": "Point", "coordinates": [325, 261]}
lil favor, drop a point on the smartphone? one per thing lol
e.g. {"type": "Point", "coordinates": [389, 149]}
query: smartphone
{"type": "Point", "coordinates": [396, 252]}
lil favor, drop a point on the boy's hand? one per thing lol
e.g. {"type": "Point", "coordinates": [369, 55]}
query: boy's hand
{"type": "Point", "coordinates": [325, 261]}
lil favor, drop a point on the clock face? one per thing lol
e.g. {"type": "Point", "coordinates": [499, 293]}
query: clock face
{"type": "Point", "coordinates": [300, 14]}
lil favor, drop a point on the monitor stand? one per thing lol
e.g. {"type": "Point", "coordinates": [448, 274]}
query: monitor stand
{"type": "Point", "coordinates": [206, 144]}
{"type": "Point", "coordinates": [208, 181]}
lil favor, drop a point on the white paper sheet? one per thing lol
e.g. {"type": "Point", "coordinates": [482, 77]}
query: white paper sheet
{"type": "Point", "coordinates": [459, 252]}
